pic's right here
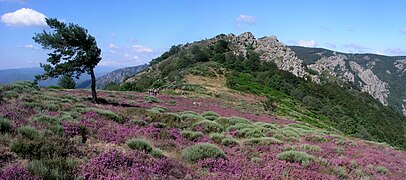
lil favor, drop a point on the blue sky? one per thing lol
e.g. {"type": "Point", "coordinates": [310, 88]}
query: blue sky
{"type": "Point", "coordinates": [133, 32]}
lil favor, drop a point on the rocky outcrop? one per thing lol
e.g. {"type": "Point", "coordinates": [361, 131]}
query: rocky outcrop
{"type": "Point", "coordinates": [339, 66]}
{"type": "Point", "coordinates": [370, 83]}
{"type": "Point", "coordinates": [400, 65]}
{"type": "Point", "coordinates": [118, 76]}
{"type": "Point", "coordinates": [270, 49]}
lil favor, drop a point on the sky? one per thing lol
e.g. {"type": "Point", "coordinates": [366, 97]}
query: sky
{"type": "Point", "coordinates": [134, 32]}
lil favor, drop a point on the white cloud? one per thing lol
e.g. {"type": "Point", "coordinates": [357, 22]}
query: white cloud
{"type": "Point", "coordinates": [310, 43]}
{"type": "Point", "coordinates": [28, 46]}
{"type": "Point", "coordinates": [113, 46]}
{"type": "Point", "coordinates": [245, 20]}
{"type": "Point", "coordinates": [24, 17]}
{"type": "Point", "coordinates": [13, 1]}
{"type": "Point", "coordinates": [112, 52]}
{"type": "Point", "coordinates": [142, 49]}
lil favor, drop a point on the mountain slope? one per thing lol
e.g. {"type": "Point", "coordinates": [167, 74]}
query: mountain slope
{"type": "Point", "coordinates": [117, 76]}
{"type": "Point", "coordinates": [267, 68]}
{"type": "Point", "coordinates": [384, 77]}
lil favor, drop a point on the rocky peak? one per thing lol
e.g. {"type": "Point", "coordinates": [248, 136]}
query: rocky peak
{"type": "Point", "coordinates": [270, 49]}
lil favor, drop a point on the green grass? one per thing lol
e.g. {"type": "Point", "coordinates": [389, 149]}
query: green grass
{"type": "Point", "coordinates": [139, 144]}
{"type": "Point", "coordinates": [296, 157]}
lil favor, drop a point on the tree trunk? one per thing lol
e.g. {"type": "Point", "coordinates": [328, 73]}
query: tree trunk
{"type": "Point", "coordinates": [93, 86]}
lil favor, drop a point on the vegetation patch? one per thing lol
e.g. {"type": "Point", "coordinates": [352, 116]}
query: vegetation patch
{"type": "Point", "coordinates": [296, 157]}
{"type": "Point", "coordinates": [202, 151]}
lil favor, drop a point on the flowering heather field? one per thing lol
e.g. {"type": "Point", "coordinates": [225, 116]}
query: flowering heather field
{"type": "Point", "coordinates": [60, 134]}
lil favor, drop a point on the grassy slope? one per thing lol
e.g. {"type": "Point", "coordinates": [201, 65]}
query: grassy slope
{"type": "Point", "coordinates": [78, 138]}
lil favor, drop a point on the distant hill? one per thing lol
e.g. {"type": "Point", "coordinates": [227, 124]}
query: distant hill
{"type": "Point", "coordinates": [353, 93]}
{"type": "Point", "coordinates": [8, 76]}
{"type": "Point", "coordinates": [117, 76]}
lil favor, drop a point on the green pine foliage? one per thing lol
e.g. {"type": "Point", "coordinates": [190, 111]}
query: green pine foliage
{"type": "Point", "coordinates": [66, 81]}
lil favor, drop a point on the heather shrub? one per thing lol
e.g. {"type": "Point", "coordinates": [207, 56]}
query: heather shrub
{"type": "Point", "coordinates": [289, 133]}
{"type": "Point", "coordinates": [216, 137]}
{"type": "Point", "coordinates": [138, 122]}
{"type": "Point", "coordinates": [208, 126]}
{"type": "Point", "coordinates": [229, 121]}
{"type": "Point", "coordinates": [263, 141]}
{"type": "Point", "coordinates": [249, 133]}
{"type": "Point", "coordinates": [151, 99]}
{"type": "Point", "coordinates": [341, 172]}
{"type": "Point", "coordinates": [16, 173]}
{"type": "Point", "coordinates": [5, 125]}
{"type": "Point", "coordinates": [381, 170]}
{"type": "Point", "coordinates": [139, 144]}
{"type": "Point", "coordinates": [29, 132]}
{"type": "Point", "coordinates": [202, 151]}
{"type": "Point", "coordinates": [229, 141]}
{"type": "Point", "coordinates": [316, 138]}
{"type": "Point", "coordinates": [65, 116]}
{"type": "Point", "coordinates": [310, 148]}
{"type": "Point", "coordinates": [11, 95]}
{"type": "Point", "coordinates": [191, 135]}
{"type": "Point", "coordinates": [296, 157]}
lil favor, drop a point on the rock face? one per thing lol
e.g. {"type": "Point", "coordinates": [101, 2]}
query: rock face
{"type": "Point", "coordinates": [119, 75]}
{"type": "Point", "coordinates": [270, 49]}
{"type": "Point", "coordinates": [400, 65]}
{"type": "Point", "coordinates": [370, 83]}
{"type": "Point", "coordinates": [383, 77]}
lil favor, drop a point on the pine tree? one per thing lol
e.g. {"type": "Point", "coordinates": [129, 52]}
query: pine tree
{"type": "Point", "coordinates": [66, 81]}
{"type": "Point", "coordinates": [73, 51]}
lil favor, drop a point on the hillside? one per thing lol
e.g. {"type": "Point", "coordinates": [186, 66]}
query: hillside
{"type": "Point", "coordinates": [381, 76]}
{"type": "Point", "coordinates": [268, 68]}
{"type": "Point", "coordinates": [117, 77]}
{"type": "Point", "coordinates": [59, 134]}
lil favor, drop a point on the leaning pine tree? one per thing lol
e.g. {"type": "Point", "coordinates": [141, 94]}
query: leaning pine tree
{"type": "Point", "coordinates": [74, 51]}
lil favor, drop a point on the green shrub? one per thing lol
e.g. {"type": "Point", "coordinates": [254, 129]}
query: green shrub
{"type": "Point", "coordinates": [310, 148]}
{"type": "Point", "coordinates": [240, 126]}
{"type": "Point", "coordinates": [381, 170]}
{"type": "Point", "coordinates": [201, 151]}
{"type": "Point", "coordinates": [341, 172]}
{"type": "Point", "coordinates": [5, 125]}
{"type": "Point", "coordinates": [158, 109]}
{"type": "Point", "coordinates": [139, 144]}
{"type": "Point", "coordinates": [107, 114]}
{"type": "Point", "coordinates": [191, 135]}
{"type": "Point", "coordinates": [151, 99]}
{"type": "Point", "coordinates": [296, 157]}
{"type": "Point", "coordinates": [210, 115]}
{"type": "Point", "coordinates": [138, 122]}
{"type": "Point", "coordinates": [190, 119]}
{"type": "Point", "coordinates": [216, 137]}
{"type": "Point", "coordinates": [264, 141]}
{"type": "Point", "coordinates": [48, 147]}
{"type": "Point", "coordinates": [56, 168]}
{"type": "Point", "coordinates": [46, 119]}
{"type": "Point", "coordinates": [266, 125]}
{"type": "Point", "coordinates": [209, 126]}
{"type": "Point", "coordinates": [226, 122]}
{"type": "Point", "coordinates": [189, 112]}
{"type": "Point", "coordinates": [249, 133]}
{"type": "Point", "coordinates": [29, 132]}
{"type": "Point", "coordinates": [316, 138]}
{"type": "Point", "coordinates": [156, 152]}
{"type": "Point", "coordinates": [229, 141]}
